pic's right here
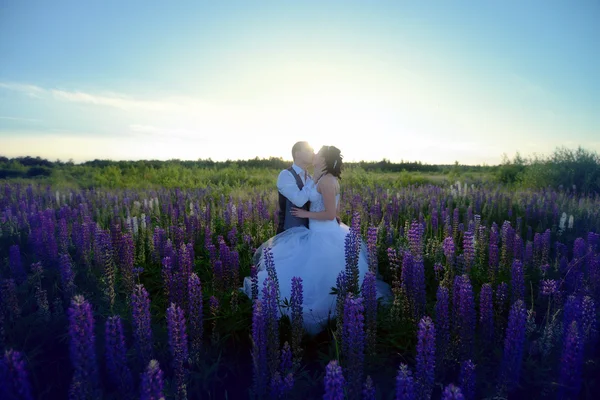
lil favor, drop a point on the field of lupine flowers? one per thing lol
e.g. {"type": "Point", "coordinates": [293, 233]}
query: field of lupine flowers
{"type": "Point", "coordinates": [127, 294]}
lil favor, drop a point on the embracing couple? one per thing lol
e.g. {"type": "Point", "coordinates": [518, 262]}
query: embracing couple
{"type": "Point", "coordinates": [310, 240]}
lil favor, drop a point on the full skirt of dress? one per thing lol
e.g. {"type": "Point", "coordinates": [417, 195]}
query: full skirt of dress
{"type": "Point", "coordinates": [317, 256]}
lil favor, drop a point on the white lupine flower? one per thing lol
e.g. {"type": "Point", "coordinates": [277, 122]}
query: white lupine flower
{"type": "Point", "coordinates": [465, 189]}
{"type": "Point", "coordinates": [571, 221]}
{"type": "Point", "coordinates": [563, 221]}
{"type": "Point", "coordinates": [57, 198]}
{"type": "Point", "coordinates": [146, 203]}
{"type": "Point", "coordinates": [143, 221]}
{"type": "Point", "coordinates": [135, 225]}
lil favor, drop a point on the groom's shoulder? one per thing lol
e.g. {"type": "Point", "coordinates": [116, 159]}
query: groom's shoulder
{"type": "Point", "coordinates": [284, 173]}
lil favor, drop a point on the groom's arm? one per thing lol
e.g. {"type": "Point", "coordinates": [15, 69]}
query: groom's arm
{"type": "Point", "coordinates": [286, 184]}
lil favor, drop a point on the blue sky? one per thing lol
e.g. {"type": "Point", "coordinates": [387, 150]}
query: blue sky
{"type": "Point", "coordinates": [435, 81]}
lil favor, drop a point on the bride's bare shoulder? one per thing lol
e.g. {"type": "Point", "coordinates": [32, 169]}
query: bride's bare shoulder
{"type": "Point", "coordinates": [328, 182]}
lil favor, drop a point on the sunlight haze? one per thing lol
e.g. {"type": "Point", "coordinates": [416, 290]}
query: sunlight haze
{"type": "Point", "coordinates": [429, 81]}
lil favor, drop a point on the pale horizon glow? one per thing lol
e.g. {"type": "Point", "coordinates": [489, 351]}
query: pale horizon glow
{"type": "Point", "coordinates": [433, 84]}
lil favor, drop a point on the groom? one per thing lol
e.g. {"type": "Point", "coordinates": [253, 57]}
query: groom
{"type": "Point", "coordinates": [294, 185]}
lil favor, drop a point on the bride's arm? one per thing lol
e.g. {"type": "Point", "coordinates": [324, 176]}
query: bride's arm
{"type": "Point", "coordinates": [327, 189]}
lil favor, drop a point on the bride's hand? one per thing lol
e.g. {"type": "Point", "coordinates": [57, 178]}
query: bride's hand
{"type": "Point", "coordinates": [299, 212]}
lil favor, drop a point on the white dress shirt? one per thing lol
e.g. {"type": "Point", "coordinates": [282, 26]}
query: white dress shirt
{"type": "Point", "coordinates": [286, 184]}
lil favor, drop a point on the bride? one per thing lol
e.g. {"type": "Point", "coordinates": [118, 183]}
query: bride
{"type": "Point", "coordinates": [317, 253]}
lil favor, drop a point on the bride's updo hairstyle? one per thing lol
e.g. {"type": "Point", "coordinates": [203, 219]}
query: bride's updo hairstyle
{"type": "Point", "coordinates": [333, 160]}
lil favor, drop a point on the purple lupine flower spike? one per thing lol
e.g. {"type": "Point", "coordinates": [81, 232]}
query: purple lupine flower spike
{"type": "Point", "coordinates": [467, 379]}
{"type": "Point", "coordinates": [254, 279]}
{"type": "Point", "coordinates": [63, 236]}
{"type": "Point", "coordinates": [116, 355]}
{"type": "Point", "coordinates": [351, 248]}
{"type": "Point", "coordinates": [270, 302]}
{"type": "Point", "coordinates": [418, 288]}
{"type": "Point", "coordinates": [517, 281]}
{"type": "Point", "coordinates": [469, 250]}
{"type": "Point", "coordinates": [16, 264]}
{"type": "Point", "coordinates": [572, 312]}
{"type": "Point", "coordinates": [178, 344]}
{"type": "Point", "coordinates": [276, 386]}
{"type": "Point", "coordinates": [546, 240]}
{"type": "Point", "coordinates": [464, 308]}
{"type": "Point", "coordinates": [168, 275]}
{"type": "Point", "coordinates": [82, 350]}
{"type": "Point", "coordinates": [9, 299]}
{"type": "Point", "coordinates": [259, 349]}
{"type": "Point", "coordinates": [342, 289]}
{"type": "Point", "coordinates": [151, 385]}
{"type": "Point", "coordinates": [452, 392]}
{"type": "Point", "coordinates": [127, 260]}
{"type": "Point", "coordinates": [513, 345]}
{"type": "Point", "coordinates": [214, 306]}
{"type": "Point", "coordinates": [455, 223]}
{"type": "Point", "coordinates": [508, 235]}
{"type": "Point", "coordinates": [448, 246]}
{"type": "Point", "coordinates": [486, 313]}
{"type": "Point", "coordinates": [571, 363]}
{"type": "Point", "coordinates": [368, 392]}
{"type": "Point", "coordinates": [425, 371]}
{"type": "Point", "coordinates": [195, 320]}
{"type": "Point", "coordinates": [105, 261]}
{"type": "Point", "coordinates": [353, 341]}
{"type": "Point", "coordinates": [589, 325]}
{"type": "Point", "coordinates": [270, 265]}
{"type": "Point", "coordinates": [528, 257]}
{"type": "Point", "coordinates": [501, 302]}
{"type": "Point", "coordinates": [14, 379]}
{"type": "Point", "coordinates": [548, 287]}
{"type": "Point", "coordinates": [334, 382]}
{"type": "Point", "coordinates": [372, 248]}
{"type": "Point", "coordinates": [235, 268]}
{"type": "Point", "coordinates": [288, 383]}
{"type": "Point", "coordinates": [405, 384]}
{"type": "Point", "coordinates": [142, 331]}
{"type": "Point", "coordinates": [369, 292]}
{"type": "Point", "coordinates": [67, 276]}
{"type": "Point", "coordinates": [415, 239]}
{"type": "Point", "coordinates": [442, 322]}
{"type": "Point", "coordinates": [286, 364]}
{"type": "Point", "coordinates": [296, 303]}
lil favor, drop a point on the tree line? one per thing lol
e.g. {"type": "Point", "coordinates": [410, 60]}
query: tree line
{"type": "Point", "coordinates": [572, 169]}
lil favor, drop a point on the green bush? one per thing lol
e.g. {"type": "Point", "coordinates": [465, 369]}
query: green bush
{"type": "Point", "coordinates": [566, 168]}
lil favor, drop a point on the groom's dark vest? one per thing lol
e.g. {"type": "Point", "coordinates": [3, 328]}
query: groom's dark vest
{"type": "Point", "coordinates": [286, 219]}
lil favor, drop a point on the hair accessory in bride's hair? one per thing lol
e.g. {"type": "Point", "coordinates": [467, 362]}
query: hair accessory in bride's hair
{"type": "Point", "coordinates": [335, 163]}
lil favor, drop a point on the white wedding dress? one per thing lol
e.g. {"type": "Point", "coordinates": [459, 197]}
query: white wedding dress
{"type": "Point", "coordinates": [317, 255]}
